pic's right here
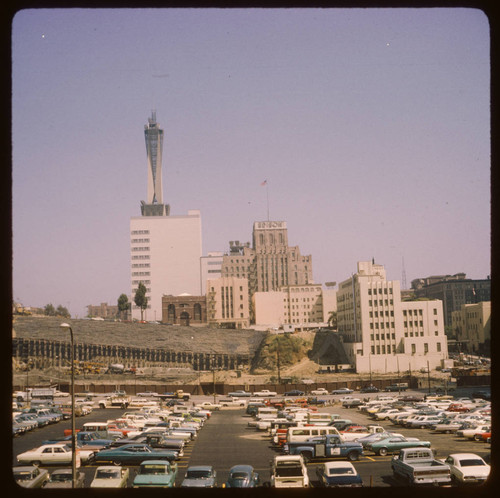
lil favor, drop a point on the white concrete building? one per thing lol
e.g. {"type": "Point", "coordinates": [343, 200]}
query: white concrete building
{"type": "Point", "coordinates": [210, 268]}
{"type": "Point", "coordinates": [472, 327]}
{"type": "Point", "coordinates": [381, 333]}
{"type": "Point", "coordinates": [165, 257]}
{"type": "Point", "coordinates": [300, 306]}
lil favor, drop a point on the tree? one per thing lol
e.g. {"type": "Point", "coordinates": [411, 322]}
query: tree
{"type": "Point", "coordinates": [49, 310]}
{"type": "Point", "coordinates": [140, 298]}
{"type": "Point", "coordinates": [62, 311]}
{"type": "Point", "coordinates": [123, 305]}
{"type": "Point", "coordinates": [332, 320]}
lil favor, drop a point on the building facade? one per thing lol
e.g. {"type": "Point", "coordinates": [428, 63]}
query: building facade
{"type": "Point", "coordinates": [270, 263]}
{"type": "Point", "coordinates": [210, 268]}
{"type": "Point", "coordinates": [299, 306]}
{"type": "Point", "coordinates": [104, 310]}
{"type": "Point", "coordinates": [472, 328]}
{"type": "Point", "coordinates": [380, 333]}
{"type": "Point", "coordinates": [454, 290]}
{"type": "Point", "coordinates": [227, 302]}
{"type": "Point", "coordinates": [165, 257]}
{"type": "Point", "coordinates": [184, 310]}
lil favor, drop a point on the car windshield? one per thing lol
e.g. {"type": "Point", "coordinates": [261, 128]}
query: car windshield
{"type": "Point", "coordinates": [340, 471]}
{"type": "Point", "coordinates": [153, 469]}
{"type": "Point", "coordinates": [289, 471]}
{"type": "Point", "coordinates": [198, 474]}
{"type": "Point", "coordinates": [471, 462]}
{"type": "Point", "coordinates": [108, 474]}
{"type": "Point", "coordinates": [239, 475]}
{"type": "Point", "coordinates": [23, 476]}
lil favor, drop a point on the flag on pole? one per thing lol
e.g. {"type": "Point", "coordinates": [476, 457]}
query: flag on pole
{"type": "Point", "coordinates": [264, 183]}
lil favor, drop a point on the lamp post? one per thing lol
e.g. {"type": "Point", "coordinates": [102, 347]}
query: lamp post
{"type": "Point", "coordinates": [73, 433]}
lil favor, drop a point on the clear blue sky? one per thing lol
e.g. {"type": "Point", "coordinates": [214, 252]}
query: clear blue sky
{"type": "Point", "coordinates": [371, 127]}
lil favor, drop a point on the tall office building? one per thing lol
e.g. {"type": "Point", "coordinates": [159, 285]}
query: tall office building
{"type": "Point", "coordinates": [380, 333]}
{"type": "Point", "coordinates": [165, 250]}
{"type": "Point", "coordinates": [270, 264]}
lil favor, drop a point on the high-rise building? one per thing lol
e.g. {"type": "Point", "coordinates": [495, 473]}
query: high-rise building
{"type": "Point", "coordinates": [381, 333]}
{"type": "Point", "coordinates": [454, 290]}
{"type": "Point", "coordinates": [270, 264]}
{"type": "Point", "coordinates": [165, 250]}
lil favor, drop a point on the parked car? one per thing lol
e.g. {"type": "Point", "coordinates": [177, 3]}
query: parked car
{"type": "Point", "coordinates": [240, 394]}
{"type": "Point", "coordinates": [242, 476]}
{"type": "Point", "coordinates": [110, 477]}
{"type": "Point", "coordinates": [30, 476]}
{"type": "Point", "coordinates": [467, 468]}
{"type": "Point", "coordinates": [342, 390]}
{"type": "Point", "coordinates": [155, 474]}
{"type": "Point", "coordinates": [336, 474]}
{"type": "Point", "coordinates": [133, 454]}
{"type": "Point", "coordinates": [265, 393]}
{"type": "Point", "coordinates": [369, 389]}
{"type": "Point", "coordinates": [393, 444]}
{"type": "Point", "coordinates": [48, 454]}
{"type": "Point", "coordinates": [200, 476]}
{"type": "Point", "coordinates": [294, 392]}
{"type": "Point", "coordinates": [63, 478]}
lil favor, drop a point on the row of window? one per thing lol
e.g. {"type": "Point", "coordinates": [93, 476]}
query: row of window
{"type": "Point", "coordinates": [141, 273]}
{"type": "Point", "coordinates": [140, 249]}
{"type": "Point", "coordinates": [140, 241]}
{"type": "Point", "coordinates": [381, 302]}
{"type": "Point", "coordinates": [141, 265]}
{"type": "Point", "coordinates": [379, 291]}
{"type": "Point", "coordinates": [139, 232]}
{"type": "Point", "coordinates": [141, 256]}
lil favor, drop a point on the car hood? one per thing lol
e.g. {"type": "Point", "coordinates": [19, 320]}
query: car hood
{"type": "Point", "coordinates": [105, 483]}
{"type": "Point", "coordinates": [54, 485]}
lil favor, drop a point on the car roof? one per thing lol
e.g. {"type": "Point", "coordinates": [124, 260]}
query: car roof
{"type": "Point", "coordinates": [241, 468]}
{"type": "Point", "coordinates": [200, 467]}
{"type": "Point", "coordinates": [465, 455]}
{"type": "Point", "coordinates": [155, 462]}
{"type": "Point", "coordinates": [338, 465]}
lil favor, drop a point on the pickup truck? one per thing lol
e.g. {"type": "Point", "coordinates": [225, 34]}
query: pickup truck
{"type": "Point", "coordinates": [418, 466]}
{"type": "Point", "coordinates": [179, 394]}
{"type": "Point", "coordinates": [289, 472]}
{"type": "Point", "coordinates": [120, 400]}
{"type": "Point", "coordinates": [327, 446]}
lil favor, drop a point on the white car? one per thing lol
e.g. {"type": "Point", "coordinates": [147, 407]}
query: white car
{"type": "Point", "coordinates": [467, 468]}
{"type": "Point", "coordinates": [265, 393]}
{"type": "Point", "coordinates": [49, 454]}
{"type": "Point", "coordinates": [321, 391]}
{"type": "Point", "coordinates": [110, 476]}
{"type": "Point", "coordinates": [208, 405]}
{"type": "Point", "coordinates": [475, 432]}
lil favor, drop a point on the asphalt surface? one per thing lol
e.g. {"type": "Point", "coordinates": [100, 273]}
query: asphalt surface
{"type": "Point", "coordinates": [226, 440]}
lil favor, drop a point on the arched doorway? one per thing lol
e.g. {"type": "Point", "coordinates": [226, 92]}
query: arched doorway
{"type": "Point", "coordinates": [184, 318]}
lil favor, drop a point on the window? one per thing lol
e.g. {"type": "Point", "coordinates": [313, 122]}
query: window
{"type": "Point", "coordinates": [426, 348]}
{"type": "Point", "coordinates": [413, 349]}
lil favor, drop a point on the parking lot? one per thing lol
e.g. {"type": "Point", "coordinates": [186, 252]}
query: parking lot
{"type": "Point", "coordinates": [227, 440]}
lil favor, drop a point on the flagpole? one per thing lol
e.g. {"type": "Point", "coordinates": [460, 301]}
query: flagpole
{"type": "Point", "coordinates": [267, 195]}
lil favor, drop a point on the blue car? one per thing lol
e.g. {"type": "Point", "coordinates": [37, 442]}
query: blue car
{"type": "Point", "coordinates": [133, 454]}
{"type": "Point", "coordinates": [242, 476]}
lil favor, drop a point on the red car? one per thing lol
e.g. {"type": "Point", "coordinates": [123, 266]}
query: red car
{"type": "Point", "coordinates": [485, 436]}
{"type": "Point", "coordinates": [457, 407]}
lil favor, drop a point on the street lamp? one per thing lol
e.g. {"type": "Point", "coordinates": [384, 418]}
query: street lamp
{"type": "Point", "coordinates": [65, 326]}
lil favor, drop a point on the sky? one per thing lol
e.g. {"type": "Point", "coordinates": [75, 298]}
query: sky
{"type": "Point", "coordinates": [371, 127]}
